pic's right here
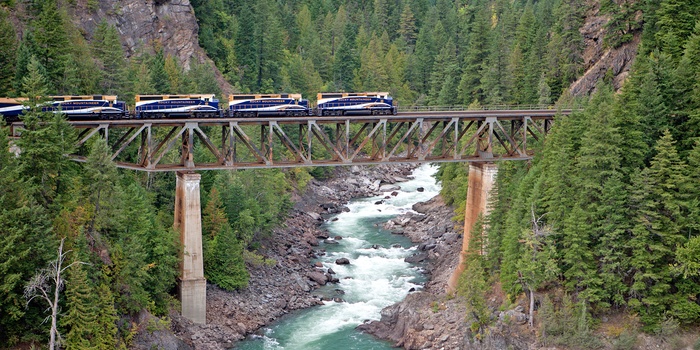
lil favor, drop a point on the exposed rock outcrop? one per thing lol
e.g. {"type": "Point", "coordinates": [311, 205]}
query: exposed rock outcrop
{"type": "Point", "coordinates": [599, 59]}
{"type": "Point", "coordinates": [144, 25]}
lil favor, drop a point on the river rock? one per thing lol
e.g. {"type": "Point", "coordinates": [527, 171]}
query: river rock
{"type": "Point", "coordinates": [416, 258]}
{"type": "Point", "coordinates": [314, 216]}
{"type": "Point", "coordinates": [342, 261]}
{"type": "Point", "coordinates": [389, 188]}
{"type": "Point", "coordinates": [317, 277]}
{"type": "Point", "coordinates": [338, 238]}
{"type": "Point", "coordinates": [421, 207]}
{"type": "Point", "coordinates": [318, 264]}
{"type": "Point", "coordinates": [420, 189]}
{"type": "Point", "coordinates": [330, 241]}
{"type": "Point", "coordinates": [331, 271]}
{"type": "Point", "coordinates": [398, 231]}
{"type": "Point", "coordinates": [395, 193]}
{"type": "Point", "coordinates": [379, 202]}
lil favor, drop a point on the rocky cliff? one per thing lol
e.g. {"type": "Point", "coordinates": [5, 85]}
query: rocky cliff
{"type": "Point", "coordinates": [143, 25]}
{"type": "Point", "coordinates": [598, 58]}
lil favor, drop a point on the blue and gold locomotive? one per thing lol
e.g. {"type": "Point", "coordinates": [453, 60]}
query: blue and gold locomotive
{"type": "Point", "coordinates": [84, 107]}
{"type": "Point", "coordinates": [289, 105]}
{"type": "Point", "coordinates": [349, 103]}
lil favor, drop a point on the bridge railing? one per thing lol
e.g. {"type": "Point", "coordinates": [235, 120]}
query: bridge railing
{"type": "Point", "coordinates": [477, 108]}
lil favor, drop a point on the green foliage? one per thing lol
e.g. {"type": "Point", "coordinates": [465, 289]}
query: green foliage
{"type": "Point", "coordinates": [568, 324]}
{"type": "Point", "coordinates": [455, 180]}
{"type": "Point", "coordinates": [472, 284]}
{"type": "Point", "coordinates": [223, 251]}
{"type": "Point", "coordinates": [8, 52]}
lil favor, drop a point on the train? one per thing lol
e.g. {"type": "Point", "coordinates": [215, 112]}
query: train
{"type": "Point", "coordinates": [108, 107]}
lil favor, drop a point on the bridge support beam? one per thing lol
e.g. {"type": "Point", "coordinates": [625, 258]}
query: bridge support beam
{"type": "Point", "coordinates": [188, 220]}
{"type": "Point", "coordinates": [482, 177]}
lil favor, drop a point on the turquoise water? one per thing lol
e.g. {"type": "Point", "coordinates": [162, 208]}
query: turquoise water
{"type": "Point", "coordinates": [376, 277]}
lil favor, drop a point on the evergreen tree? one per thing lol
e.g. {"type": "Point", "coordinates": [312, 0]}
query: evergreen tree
{"type": "Point", "coordinates": [676, 20]}
{"type": "Point", "coordinates": [107, 49]}
{"type": "Point", "coordinates": [25, 243]}
{"type": "Point", "coordinates": [407, 28]}
{"type": "Point", "coordinates": [46, 141]}
{"type": "Point", "coordinates": [659, 207]}
{"type": "Point", "coordinates": [106, 327]}
{"type": "Point", "coordinates": [158, 75]}
{"type": "Point", "coordinates": [223, 263]}
{"type": "Point", "coordinates": [82, 314]}
{"type": "Point", "coordinates": [8, 45]}
{"type": "Point", "coordinates": [51, 40]}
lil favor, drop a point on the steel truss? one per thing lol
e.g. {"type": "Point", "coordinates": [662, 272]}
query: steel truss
{"type": "Point", "coordinates": [212, 144]}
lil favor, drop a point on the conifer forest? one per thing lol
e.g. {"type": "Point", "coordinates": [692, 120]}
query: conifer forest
{"type": "Point", "coordinates": [605, 219]}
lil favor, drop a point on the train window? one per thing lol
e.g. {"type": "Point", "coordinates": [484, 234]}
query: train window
{"type": "Point", "coordinates": [331, 95]}
{"type": "Point", "coordinates": [58, 98]}
{"type": "Point", "coordinates": [97, 97]}
{"type": "Point", "coordinates": [148, 97]}
{"type": "Point", "coordinates": [243, 97]}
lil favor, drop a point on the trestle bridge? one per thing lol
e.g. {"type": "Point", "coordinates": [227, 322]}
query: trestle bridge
{"type": "Point", "coordinates": [189, 145]}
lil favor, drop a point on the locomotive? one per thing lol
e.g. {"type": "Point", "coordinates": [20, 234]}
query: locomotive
{"type": "Point", "coordinates": [100, 107]}
{"type": "Point", "coordinates": [87, 107]}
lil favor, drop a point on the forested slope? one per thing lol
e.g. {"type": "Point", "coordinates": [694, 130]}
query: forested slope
{"type": "Point", "coordinates": [608, 212]}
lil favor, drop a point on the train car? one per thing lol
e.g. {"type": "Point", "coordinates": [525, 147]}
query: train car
{"type": "Point", "coordinates": [350, 103]}
{"type": "Point", "coordinates": [12, 108]}
{"type": "Point", "coordinates": [253, 105]}
{"type": "Point", "coordinates": [174, 106]}
{"type": "Point", "coordinates": [87, 107]}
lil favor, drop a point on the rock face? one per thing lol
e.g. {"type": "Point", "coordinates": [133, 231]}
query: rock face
{"type": "Point", "coordinates": [143, 25]}
{"type": "Point", "coordinates": [599, 59]}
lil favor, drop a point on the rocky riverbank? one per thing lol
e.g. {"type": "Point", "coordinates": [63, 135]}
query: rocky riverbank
{"type": "Point", "coordinates": [287, 279]}
{"type": "Point", "coordinates": [430, 318]}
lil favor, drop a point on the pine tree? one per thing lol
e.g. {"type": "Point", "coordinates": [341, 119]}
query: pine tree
{"type": "Point", "coordinates": [676, 20]}
{"type": "Point", "coordinates": [8, 44]}
{"type": "Point", "coordinates": [223, 263]}
{"type": "Point", "coordinates": [106, 320]}
{"type": "Point", "coordinates": [470, 86]}
{"type": "Point", "coordinates": [51, 40]}
{"type": "Point", "coordinates": [158, 75]}
{"type": "Point", "coordinates": [44, 145]}
{"type": "Point", "coordinates": [107, 49]}
{"type": "Point", "coordinates": [82, 314]}
{"type": "Point", "coordinates": [659, 208]}
{"type": "Point", "coordinates": [407, 28]}
{"type": "Point", "coordinates": [25, 240]}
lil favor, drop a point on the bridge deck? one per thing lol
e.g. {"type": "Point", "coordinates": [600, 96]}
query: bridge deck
{"type": "Point", "coordinates": [239, 143]}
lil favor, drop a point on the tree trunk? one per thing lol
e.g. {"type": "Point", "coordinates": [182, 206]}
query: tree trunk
{"type": "Point", "coordinates": [530, 320]}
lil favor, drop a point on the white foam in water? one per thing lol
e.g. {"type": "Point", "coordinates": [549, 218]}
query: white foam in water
{"type": "Point", "coordinates": [377, 277]}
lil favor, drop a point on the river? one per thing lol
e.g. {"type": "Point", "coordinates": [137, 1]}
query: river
{"type": "Point", "coordinates": [376, 277]}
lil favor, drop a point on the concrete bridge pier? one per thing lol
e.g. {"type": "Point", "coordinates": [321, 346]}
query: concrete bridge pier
{"type": "Point", "coordinates": [482, 177]}
{"type": "Point", "coordinates": [192, 286]}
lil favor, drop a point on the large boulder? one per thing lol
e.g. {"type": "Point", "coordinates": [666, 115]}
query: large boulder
{"type": "Point", "coordinates": [318, 277]}
{"type": "Point", "coordinates": [342, 261]}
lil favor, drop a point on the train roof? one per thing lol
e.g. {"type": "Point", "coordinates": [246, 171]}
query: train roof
{"type": "Point", "coordinates": [12, 99]}
{"type": "Point", "coordinates": [238, 97]}
{"type": "Point", "coordinates": [323, 95]}
{"type": "Point", "coordinates": [83, 97]}
{"type": "Point", "coordinates": [209, 97]}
